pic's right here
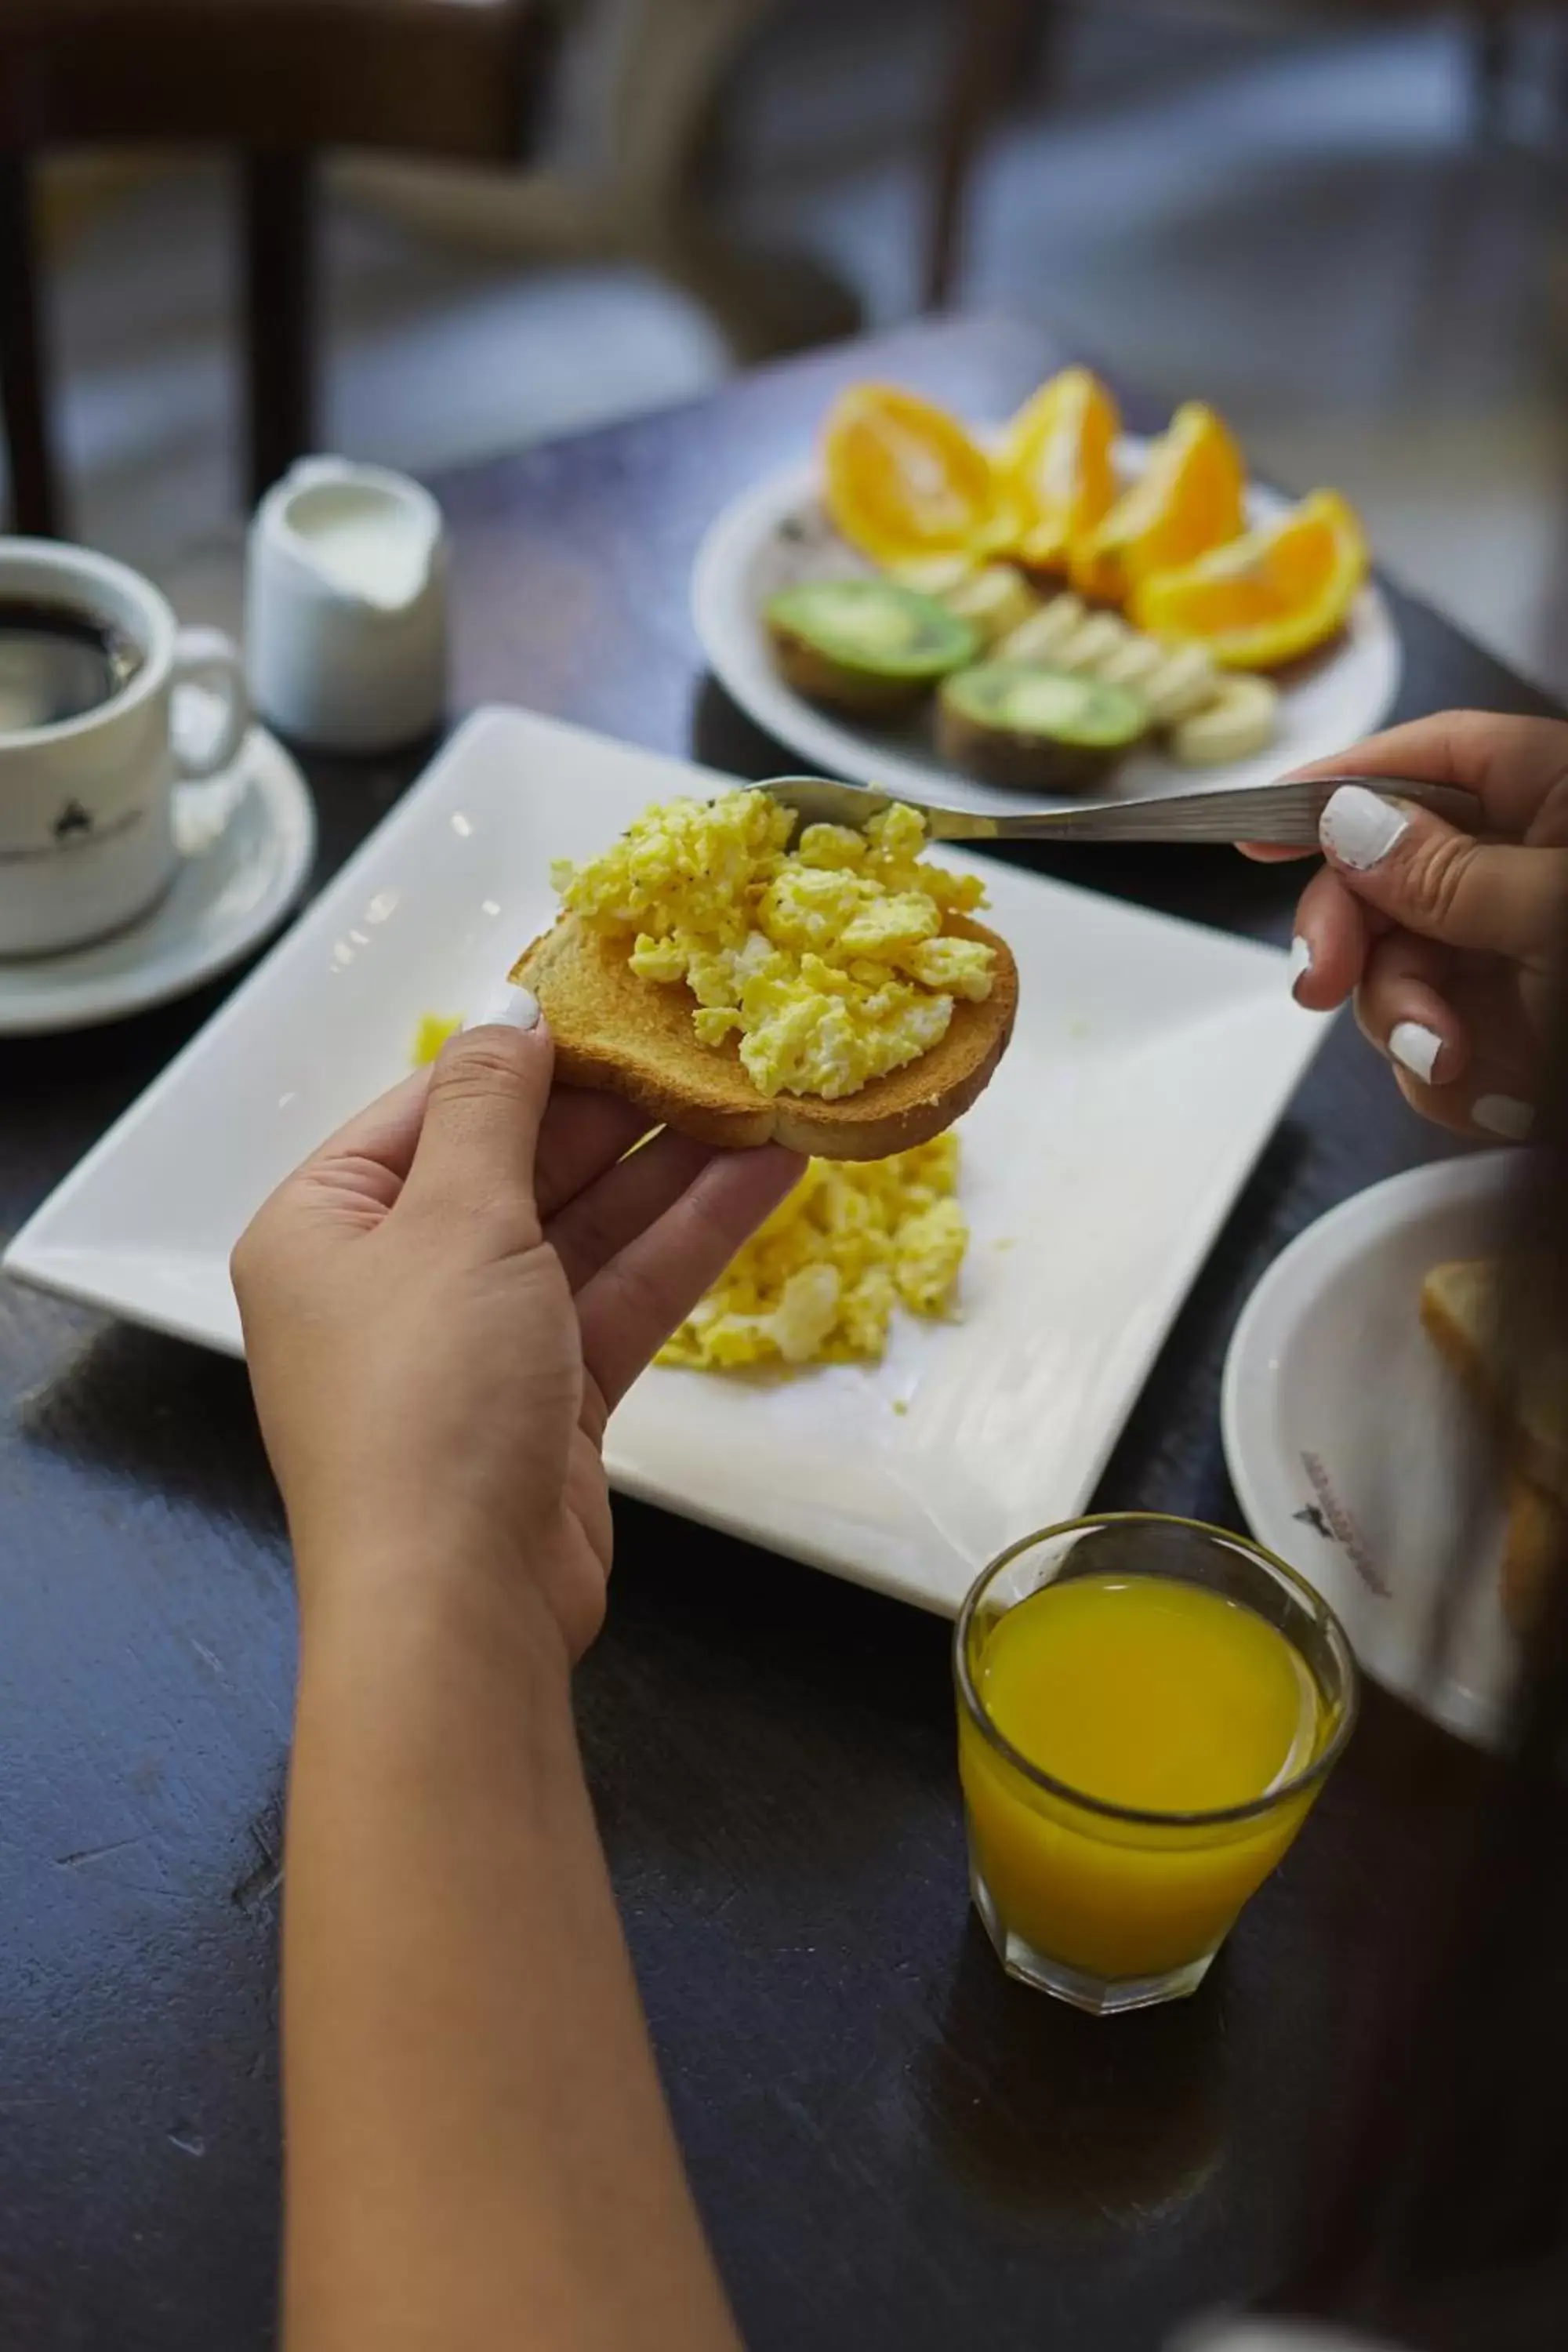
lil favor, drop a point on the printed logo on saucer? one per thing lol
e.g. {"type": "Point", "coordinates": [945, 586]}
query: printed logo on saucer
{"type": "Point", "coordinates": [1329, 1519]}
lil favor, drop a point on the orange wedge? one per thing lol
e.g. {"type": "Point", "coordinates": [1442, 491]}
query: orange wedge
{"type": "Point", "coordinates": [1188, 498]}
{"type": "Point", "coordinates": [1269, 597]}
{"type": "Point", "coordinates": [1054, 464]}
{"type": "Point", "coordinates": [906, 482]}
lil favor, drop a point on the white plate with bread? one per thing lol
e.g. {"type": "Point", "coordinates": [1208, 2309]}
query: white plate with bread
{"type": "Point", "coordinates": [1148, 1062]}
{"type": "Point", "coordinates": [1356, 1402]}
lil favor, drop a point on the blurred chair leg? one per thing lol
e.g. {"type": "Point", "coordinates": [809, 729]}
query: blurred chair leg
{"type": "Point", "coordinates": [992, 46]}
{"type": "Point", "coordinates": [1491, 57]}
{"type": "Point", "coordinates": [667, 71]}
{"type": "Point", "coordinates": [278, 204]}
{"type": "Point", "coordinates": [24, 368]}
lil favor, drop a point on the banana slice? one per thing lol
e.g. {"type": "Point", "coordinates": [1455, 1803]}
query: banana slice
{"type": "Point", "coordinates": [1100, 636]}
{"type": "Point", "coordinates": [1133, 663]}
{"type": "Point", "coordinates": [1241, 720]}
{"type": "Point", "coordinates": [1038, 638]}
{"type": "Point", "coordinates": [1179, 684]}
{"type": "Point", "coordinates": [1186, 683]}
{"type": "Point", "coordinates": [933, 576]}
{"type": "Point", "coordinates": [998, 600]}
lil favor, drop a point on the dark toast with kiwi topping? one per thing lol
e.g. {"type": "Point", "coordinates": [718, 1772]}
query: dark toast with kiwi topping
{"type": "Point", "coordinates": [869, 647]}
{"type": "Point", "coordinates": [1041, 730]}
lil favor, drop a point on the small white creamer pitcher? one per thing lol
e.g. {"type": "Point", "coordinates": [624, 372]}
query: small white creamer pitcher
{"type": "Point", "coordinates": [346, 607]}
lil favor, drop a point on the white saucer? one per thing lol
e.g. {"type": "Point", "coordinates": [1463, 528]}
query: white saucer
{"type": "Point", "coordinates": [247, 840]}
{"type": "Point", "coordinates": [1353, 1450]}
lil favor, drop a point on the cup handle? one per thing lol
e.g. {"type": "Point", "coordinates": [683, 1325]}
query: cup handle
{"type": "Point", "coordinates": [210, 657]}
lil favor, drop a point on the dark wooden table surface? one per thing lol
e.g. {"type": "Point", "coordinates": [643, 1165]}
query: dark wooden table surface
{"type": "Point", "coordinates": [892, 2145]}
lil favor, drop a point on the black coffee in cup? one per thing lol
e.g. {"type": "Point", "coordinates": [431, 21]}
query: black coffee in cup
{"type": "Point", "coordinates": [58, 662]}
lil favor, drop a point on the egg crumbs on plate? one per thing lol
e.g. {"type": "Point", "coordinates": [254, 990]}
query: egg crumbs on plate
{"type": "Point", "coordinates": [818, 1282]}
{"type": "Point", "coordinates": [432, 1034]}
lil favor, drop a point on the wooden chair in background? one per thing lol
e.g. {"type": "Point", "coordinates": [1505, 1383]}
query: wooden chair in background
{"type": "Point", "coordinates": [275, 81]}
{"type": "Point", "coordinates": [995, 51]}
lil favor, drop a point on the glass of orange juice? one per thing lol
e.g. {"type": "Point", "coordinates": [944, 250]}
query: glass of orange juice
{"type": "Point", "coordinates": [1147, 1709]}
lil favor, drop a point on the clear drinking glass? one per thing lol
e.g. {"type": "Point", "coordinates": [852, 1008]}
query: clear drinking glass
{"type": "Point", "coordinates": [1103, 1904]}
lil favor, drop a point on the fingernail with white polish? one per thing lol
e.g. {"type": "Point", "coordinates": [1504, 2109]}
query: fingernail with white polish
{"type": "Point", "coordinates": [508, 1008]}
{"type": "Point", "coordinates": [1503, 1114]}
{"type": "Point", "coordinates": [1300, 961]}
{"type": "Point", "coordinates": [1359, 827]}
{"type": "Point", "coordinates": [1416, 1048]}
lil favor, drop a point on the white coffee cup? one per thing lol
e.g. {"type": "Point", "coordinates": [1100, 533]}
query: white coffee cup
{"type": "Point", "coordinates": [87, 839]}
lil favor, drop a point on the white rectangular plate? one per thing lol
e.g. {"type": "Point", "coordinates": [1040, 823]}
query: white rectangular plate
{"type": "Point", "coordinates": [1150, 1061]}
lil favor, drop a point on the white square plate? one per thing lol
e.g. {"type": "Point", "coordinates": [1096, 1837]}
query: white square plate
{"type": "Point", "coordinates": [1150, 1061]}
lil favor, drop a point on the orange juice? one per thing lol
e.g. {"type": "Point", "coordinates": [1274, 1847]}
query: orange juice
{"type": "Point", "coordinates": [1158, 1697]}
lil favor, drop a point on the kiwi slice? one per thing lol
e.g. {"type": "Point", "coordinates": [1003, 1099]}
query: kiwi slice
{"type": "Point", "coordinates": [1045, 730]}
{"type": "Point", "coordinates": [866, 646]}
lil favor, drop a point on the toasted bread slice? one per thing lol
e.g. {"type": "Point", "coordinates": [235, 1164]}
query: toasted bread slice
{"type": "Point", "coordinates": [1536, 1543]}
{"type": "Point", "coordinates": [633, 1037]}
{"type": "Point", "coordinates": [1461, 1310]}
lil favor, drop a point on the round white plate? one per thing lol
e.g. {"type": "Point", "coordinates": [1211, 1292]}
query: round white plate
{"type": "Point", "coordinates": [1353, 1449]}
{"type": "Point", "coordinates": [247, 840]}
{"type": "Point", "coordinates": [778, 534]}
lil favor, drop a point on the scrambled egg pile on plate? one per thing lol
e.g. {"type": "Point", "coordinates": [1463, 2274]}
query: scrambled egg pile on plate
{"type": "Point", "coordinates": [827, 959]}
{"type": "Point", "coordinates": [818, 1282]}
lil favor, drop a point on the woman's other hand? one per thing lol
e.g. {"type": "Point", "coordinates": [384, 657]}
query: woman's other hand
{"type": "Point", "coordinates": [444, 1305]}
